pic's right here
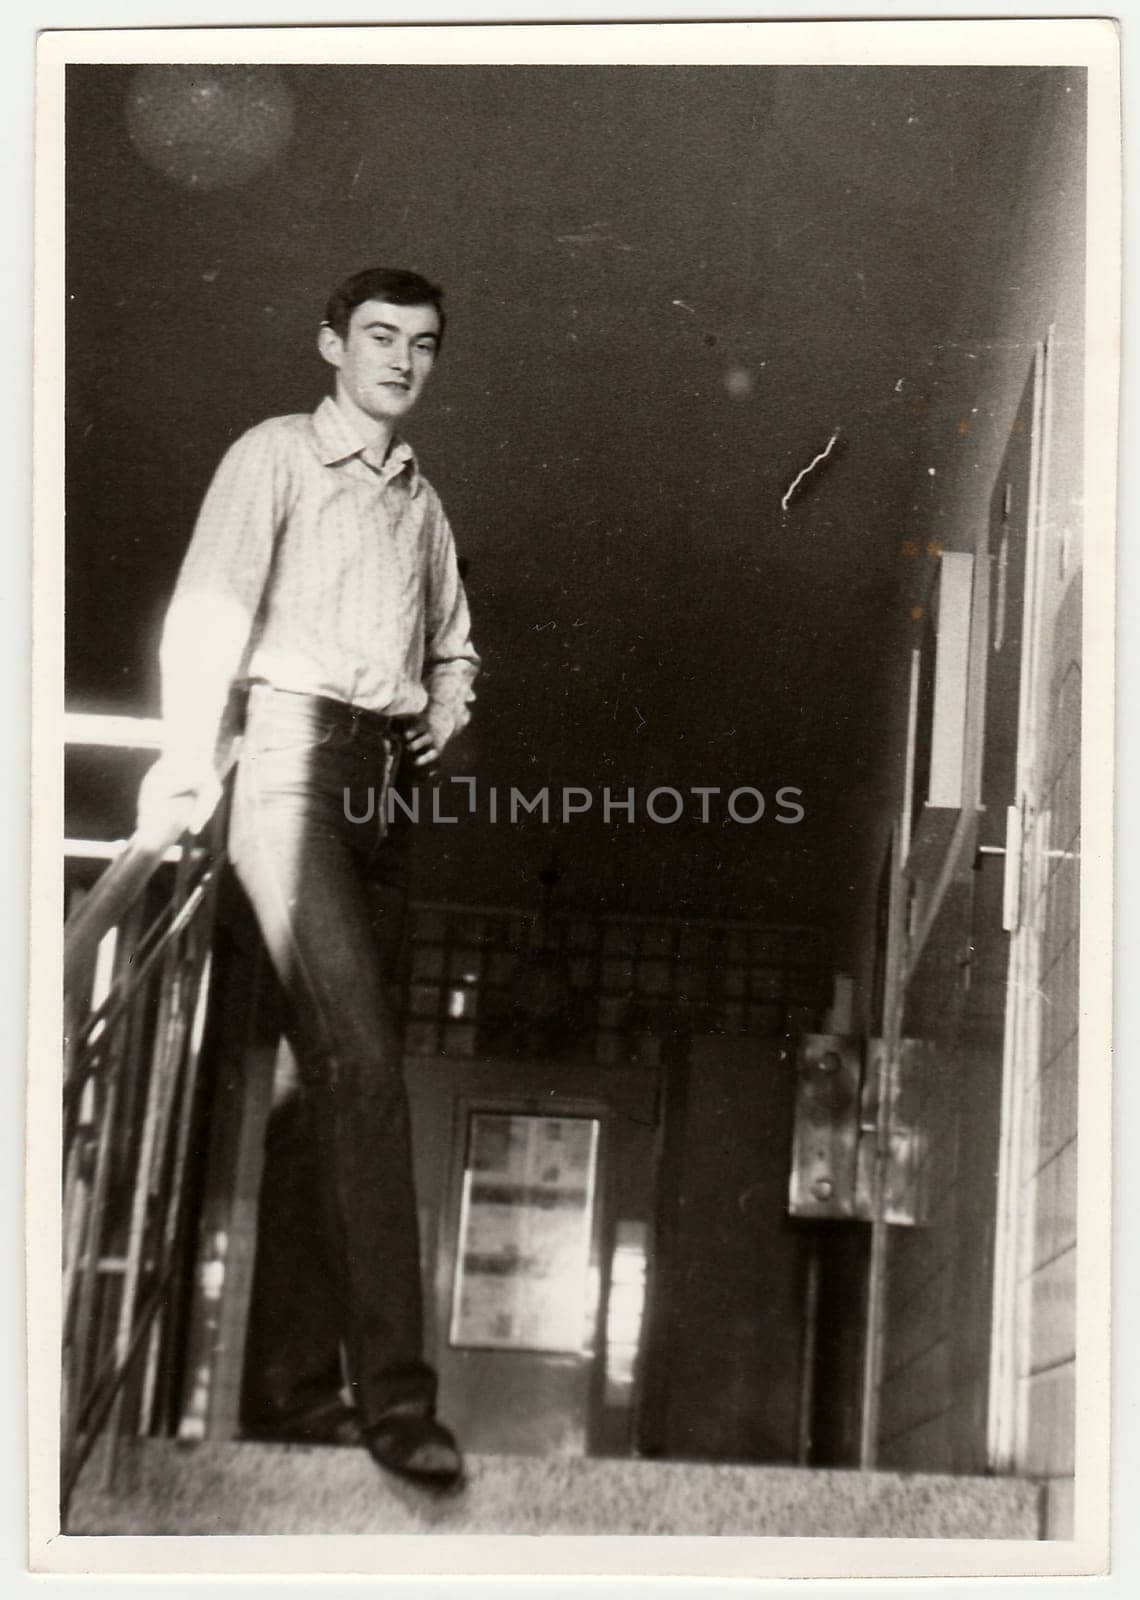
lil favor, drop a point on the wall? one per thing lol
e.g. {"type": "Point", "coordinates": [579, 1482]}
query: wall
{"type": "Point", "coordinates": [937, 1395]}
{"type": "Point", "coordinates": [1047, 1374]}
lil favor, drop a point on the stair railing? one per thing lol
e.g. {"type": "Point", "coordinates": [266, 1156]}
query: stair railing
{"type": "Point", "coordinates": [137, 958]}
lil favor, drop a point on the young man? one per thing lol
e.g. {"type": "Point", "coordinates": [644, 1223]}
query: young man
{"type": "Point", "coordinates": [322, 573]}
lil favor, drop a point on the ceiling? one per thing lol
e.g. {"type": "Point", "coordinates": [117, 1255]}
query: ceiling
{"type": "Point", "coordinates": [669, 290]}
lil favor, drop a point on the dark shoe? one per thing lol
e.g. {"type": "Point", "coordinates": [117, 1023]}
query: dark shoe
{"type": "Point", "coordinates": [416, 1447]}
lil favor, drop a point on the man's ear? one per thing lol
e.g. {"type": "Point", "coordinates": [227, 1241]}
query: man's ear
{"type": "Point", "coordinates": [330, 344]}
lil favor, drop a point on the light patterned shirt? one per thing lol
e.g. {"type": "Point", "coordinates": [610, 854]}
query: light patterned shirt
{"type": "Point", "coordinates": [345, 568]}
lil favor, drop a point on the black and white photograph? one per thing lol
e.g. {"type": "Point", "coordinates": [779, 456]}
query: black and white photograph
{"type": "Point", "coordinates": [572, 936]}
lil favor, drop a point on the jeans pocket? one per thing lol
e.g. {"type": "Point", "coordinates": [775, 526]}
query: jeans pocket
{"type": "Point", "coordinates": [289, 730]}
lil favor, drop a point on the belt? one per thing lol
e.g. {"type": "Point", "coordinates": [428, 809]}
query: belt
{"type": "Point", "coordinates": [340, 711]}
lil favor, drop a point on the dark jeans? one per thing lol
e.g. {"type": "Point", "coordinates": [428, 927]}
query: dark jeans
{"type": "Point", "coordinates": [321, 887]}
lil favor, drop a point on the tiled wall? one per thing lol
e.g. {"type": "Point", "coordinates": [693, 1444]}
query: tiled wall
{"type": "Point", "coordinates": [1048, 1206]}
{"type": "Point", "coordinates": [935, 1395]}
{"type": "Point", "coordinates": [940, 1274]}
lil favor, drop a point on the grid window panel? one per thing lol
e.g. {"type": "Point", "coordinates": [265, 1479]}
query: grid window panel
{"type": "Point", "coordinates": [645, 1049]}
{"type": "Point", "coordinates": [581, 972]}
{"type": "Point", "coordinates": [427, 961]}
{"type": "Point", "coordinates": [612, 1049]}
{"type": "Point", "coordinates": [424, 1000]}
{"type": "Point", "coordinates": [801, 1019]}
{"type": "Point", "coordinates": [430, 924]}
{"type": "Point", "coordinates": [734, 1018]}
{"type": "Point", "coordinates": [693, 944]}
{"type": "Point", "coordinates": [802, 947]}
{"type": "Point", "coordinates": [500, 967]}
{"type": "Point", "coordinates": [692, 983]}
{"type": "Point", "coordinates": [768, 949]}
{"type": "Point", "coordinates": [725, 978]}
{"type": "Point", "coordinates": [803, 987]}
{"type": "Point", "coordinates": [653, 977]}
{"type": "Point", "coordinates": [612, 1010]}
{"type": "Point", "coordinates": [617, 976]}
{"type": "Point", "coordinates": [767, 983]}
{"type": "Point", "coordinates": [765, 1020]}
{"type": "Point", "coordinates": [465, 964]}
{"type": "Point", "coordinates": [463, 1002]}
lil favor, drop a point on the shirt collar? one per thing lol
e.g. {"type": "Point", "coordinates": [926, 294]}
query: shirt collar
{"type": "Point", "coordinates": [339, 438]}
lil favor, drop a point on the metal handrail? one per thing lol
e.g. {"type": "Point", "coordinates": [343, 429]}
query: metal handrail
{"type": "Point", "coordinates": [117, 890]}
{"type": "Point", "coordinates": [122, 883]}
{"type": "Point", "coordinates": [130, 1100]}
{"type": "Point", "coordinates": [150, 949]}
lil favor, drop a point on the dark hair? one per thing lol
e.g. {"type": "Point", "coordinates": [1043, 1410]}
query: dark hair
{"type": "Point", "coordinates": [393, 284]}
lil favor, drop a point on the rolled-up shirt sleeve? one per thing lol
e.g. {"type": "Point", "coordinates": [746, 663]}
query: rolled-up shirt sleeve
{"type": "Point", "coordinates": [451, 663]}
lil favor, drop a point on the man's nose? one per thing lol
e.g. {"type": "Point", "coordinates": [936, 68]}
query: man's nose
{"type": "Point", "coordinates": [402, 358]}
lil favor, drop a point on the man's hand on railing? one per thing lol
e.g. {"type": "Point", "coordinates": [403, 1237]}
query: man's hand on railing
{"type": "Point", "coordinates": [175, 797]}
{"type": "Point", "coordinates": [178, 795]}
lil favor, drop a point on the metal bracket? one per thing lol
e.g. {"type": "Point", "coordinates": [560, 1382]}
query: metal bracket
{"type": "Point", "coordinates": [839, 1164]}
{"type": "Point", "coordinates": [826, 1128]}
{"type": "Point", "coordinates": [902, 1156]}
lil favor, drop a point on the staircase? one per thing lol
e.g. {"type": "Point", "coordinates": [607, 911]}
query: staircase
{"type": "Point", "coordinates": [166, 1488]}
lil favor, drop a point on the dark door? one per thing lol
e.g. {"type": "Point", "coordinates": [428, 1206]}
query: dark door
{"type": "Point", "coordinates": [728, 1310]}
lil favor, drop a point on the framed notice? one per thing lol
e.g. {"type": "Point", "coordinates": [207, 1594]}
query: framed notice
{"type": "Point", "coordinates": [526, 1218]}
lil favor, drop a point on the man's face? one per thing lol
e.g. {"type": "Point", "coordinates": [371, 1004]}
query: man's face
{"type": "Point", "coordinates": [385, 359]}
